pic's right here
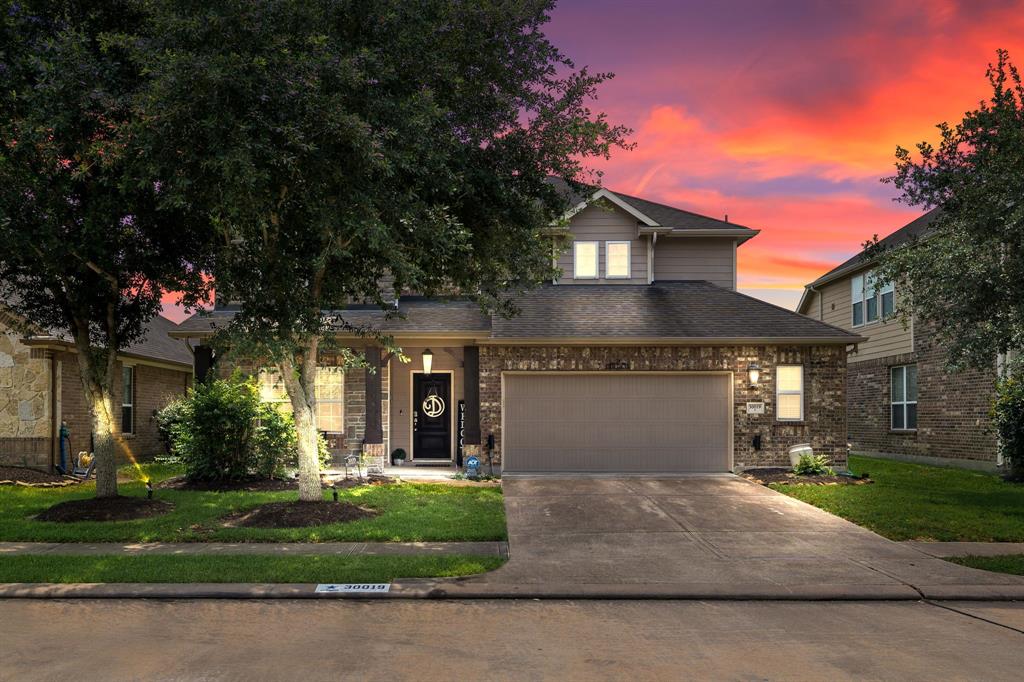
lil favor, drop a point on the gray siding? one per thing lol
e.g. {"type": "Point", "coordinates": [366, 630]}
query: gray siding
{"type": "Point", "coordinates": [601, 224]}
{"type": "Point", "coordinates": [711, 259]}
{"type": "Point", "coordinates": [885, 338]}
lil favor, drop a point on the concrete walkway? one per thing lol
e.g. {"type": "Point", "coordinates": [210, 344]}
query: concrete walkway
{"type": "Point", "coordinates": [951, 549]}
{"type": "Point", "coordinates": [259, 548]}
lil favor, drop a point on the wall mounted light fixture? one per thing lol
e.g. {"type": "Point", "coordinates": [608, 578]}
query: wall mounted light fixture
{"type": "Point", "coordinates": [428, 361]}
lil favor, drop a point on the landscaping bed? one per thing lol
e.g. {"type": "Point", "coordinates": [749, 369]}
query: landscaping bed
{"type": "Point", "coordinates": [33, 477]}
{"type": "Point", "coordinates": [253, 484]}
{"type": "Point", "coordinates": [920, 502]}
{"type": "Point", "coordinates": [785, 475]}
{"type": "Point", "coordinates": [118, 508]}
{"type": "Point", "coordinates": [53, 568]}
{"type": "Point", "coordinates": [298, 514]}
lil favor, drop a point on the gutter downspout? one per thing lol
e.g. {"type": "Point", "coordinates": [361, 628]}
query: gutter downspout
{"type": "Point", "coordinates": [821, 302]}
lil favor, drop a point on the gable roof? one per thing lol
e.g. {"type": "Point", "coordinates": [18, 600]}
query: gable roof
{"type": "Point", "coordinates": [664, 312]}
{"type": "Point", "coordinates": [651, 213]}
{"type": "Point", "coordinates": [916, 228]}
{"type": "Point", "coordinates": [155, 343]}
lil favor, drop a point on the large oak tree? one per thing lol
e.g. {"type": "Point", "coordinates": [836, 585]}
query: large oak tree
{"type": "Point", "coordinates": [84, 249]}
{"type": "Point", "coordinates": [338, 143]}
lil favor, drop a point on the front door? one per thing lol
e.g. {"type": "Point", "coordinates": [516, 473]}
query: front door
{"type": "Point", "coordinates": [431, 416]}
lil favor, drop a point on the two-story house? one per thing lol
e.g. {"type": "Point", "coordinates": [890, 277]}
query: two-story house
{"type": "Point", "coordinates": [640, 357]}
{"type": "Point", "coordinates": [901, 402]}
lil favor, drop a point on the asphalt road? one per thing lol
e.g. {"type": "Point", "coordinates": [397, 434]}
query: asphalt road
{"type": "Point", "coordinates": [507, 640]}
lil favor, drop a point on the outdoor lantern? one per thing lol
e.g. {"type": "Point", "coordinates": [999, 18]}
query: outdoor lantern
{"type": "Point", "coordinates": [754, 372]}
{"type": "Point", "coordinates": [428, 361]}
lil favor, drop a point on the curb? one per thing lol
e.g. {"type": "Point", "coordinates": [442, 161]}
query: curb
{"type": "Point", "coordinates": [413, 589]}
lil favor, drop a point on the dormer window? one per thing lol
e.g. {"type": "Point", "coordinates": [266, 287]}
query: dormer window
{"type": "Point", "coordinates": [584, 259]}
{"type": "Point", "coordinates": [616, 257]}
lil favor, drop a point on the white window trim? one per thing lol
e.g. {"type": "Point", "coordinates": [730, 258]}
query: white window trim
{"type": "Point", "coordinates": [597, 259]}
{"type": "Point", "coordinates": [128, 400]}
{"type": "Point", "coordinates": [779, 392]}
{"type": "Point", "coordinates": [334, 401]}
{"type": "Point", "coordinates": [629, 259]}
{"type": "Point", "coordinates": [865, 278]}
{"type": "Point", "coordinates": [902, 403]}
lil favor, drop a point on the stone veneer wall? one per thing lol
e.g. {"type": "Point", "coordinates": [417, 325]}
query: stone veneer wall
{"type": "Point", "coordinates": [824, 425]}
{"type": "Point", "coordinates": [25, 417]}
{"type": "Point", "coordinates": [952, 408]}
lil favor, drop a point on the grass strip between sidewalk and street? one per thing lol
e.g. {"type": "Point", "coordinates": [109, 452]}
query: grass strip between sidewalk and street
{"type": "Point", "coordinates": [53, 568]}
{"type": "Point", "coordinates": [920, 502]}
{"type": "Point", "coordinates": [1007, 563]}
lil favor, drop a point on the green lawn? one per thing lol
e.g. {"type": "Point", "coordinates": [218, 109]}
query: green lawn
{"type": "Point", "coordinates": [232, 569]}
{"type": "Point", "coordinates": [1011, 563]}
{"type": "Point", "coordinates": [918, 502]}
{"type": "Point", "coordinates": [408, 512]}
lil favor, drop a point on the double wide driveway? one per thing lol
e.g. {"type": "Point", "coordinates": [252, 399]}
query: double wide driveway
{"type": "Point", "coordinates": [713, 535]}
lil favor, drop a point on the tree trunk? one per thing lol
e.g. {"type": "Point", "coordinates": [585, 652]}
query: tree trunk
{"type": "Point", "coordinates": [301, 387]}
{"type": "Point", "coordinates": [98, 387]}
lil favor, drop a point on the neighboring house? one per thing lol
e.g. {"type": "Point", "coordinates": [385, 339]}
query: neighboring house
{"type": "Point", "coordinates": [900, 400]}
{"type": "Point", "coordinates": [40, 387]}
{"type": "Point", "coordinates": [639, 358]}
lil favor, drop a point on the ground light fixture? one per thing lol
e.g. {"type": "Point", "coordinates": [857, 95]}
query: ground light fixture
{"type": "Point", "coordinates": [149, 490]}
{"type": "Point", "coordinates": [334, 492]}
{"type": "Point", "coordinates": [428, 361]}
{"type": "Point", "coordinates": [754, 373]}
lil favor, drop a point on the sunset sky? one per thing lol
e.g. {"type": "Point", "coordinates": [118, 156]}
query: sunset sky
{"type": "Point", "coordinates": [783, 114]}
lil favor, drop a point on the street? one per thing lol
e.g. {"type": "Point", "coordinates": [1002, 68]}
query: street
{"type": "Point", "coordinates": [531, 640]}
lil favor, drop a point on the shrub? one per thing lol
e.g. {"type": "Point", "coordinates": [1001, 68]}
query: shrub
{"type": "Point", "coordinates": [813, 465]}
{"type": "Point", "coordinates": [1008, 421]}
{"type": "Point", "coordinates": [276, 442]}
{"type": "Point", "coordinates": [398, 453]}
{"type": "Point", "coordinates": [212, 429]}
{"type": "Point", "coordinates": [166, 418]}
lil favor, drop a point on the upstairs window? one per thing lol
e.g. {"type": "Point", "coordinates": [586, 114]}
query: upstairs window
{"type": "Point", "coordinates": [871, 300]}
{"type": "Point", "coordinates": [127, 400]}
{"type": "Point", "coordinates": [616, 257]}
{"type": "Point", "coordinates": [584, 260]}
{"type": "Point", "coordinates": [904, 398]}
{"type": "Point", "coordinates": [789, 392]}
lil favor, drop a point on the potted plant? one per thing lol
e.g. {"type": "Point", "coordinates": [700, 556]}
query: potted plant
{"type": "Point", "coordinates": [398, 457]}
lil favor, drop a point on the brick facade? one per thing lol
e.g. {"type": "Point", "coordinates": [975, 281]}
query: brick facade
{"type": "Point", "coordinates": [824, 425]}
{"type": "Point", "coordinates": [952, 409]}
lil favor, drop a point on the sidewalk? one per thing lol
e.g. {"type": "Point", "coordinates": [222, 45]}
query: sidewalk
{"type": "Point", "coordinates": [261, 548]}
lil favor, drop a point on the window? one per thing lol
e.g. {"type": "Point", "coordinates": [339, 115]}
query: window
{"type": "Point", "coordinates": [904, 398]}
{"type": "Point", "coordinates": [584, 260]}
{"type": "Point", "coordinates": [870, 300]}
{"type": "Point", "coordinates": [127, 400]}
{"type": "Point", "coordinates": [330, 396]}
{"type": "Point", "coordinates": [330, 399]}
{"type": "Point", "coordinates": [616, 257]}
{"type": "Point", "coordinates": [789, 392]}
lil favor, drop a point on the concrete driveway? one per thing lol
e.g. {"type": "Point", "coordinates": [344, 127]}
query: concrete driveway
{"type": "Point", "coordinates": [709, 536]}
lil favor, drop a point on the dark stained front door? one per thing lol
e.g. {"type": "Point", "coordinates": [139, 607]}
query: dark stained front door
{"type": "Point", "coordinates": [431, 416]}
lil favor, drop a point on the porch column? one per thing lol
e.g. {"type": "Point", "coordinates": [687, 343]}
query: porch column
{"type": "Point", "coordinates": [471, 394]}
{"type": "Point", "coordinates": [374, 434]}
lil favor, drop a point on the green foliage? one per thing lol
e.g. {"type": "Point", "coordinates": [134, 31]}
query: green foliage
{"type": "Point", "coordinates": [398, 453]}
{"type": "Point", "coordinates": [813, 465]}
{"type": "Point", "coordinates": [215, 431]}
{"type": "Point", "coordinates": [967, 277]}
{"type": "Point", "coordinates": [275, 446]}
{"type": "Point", "coordinates": [167, 418]}
{"type": "Point", "coordinates": [1008, 421]}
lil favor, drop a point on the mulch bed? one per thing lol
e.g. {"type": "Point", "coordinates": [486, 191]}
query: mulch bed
{"type": "Point", "coordinates": [253, 484]}
{"type": "Point", "coordinates": [786, 475]}
{"type": "Point", "coordinates": [105, 509]}
{"type": "Point", "coordinates": [343, 483]}
{"type": "Point", "coordinates": [34, 478]}
{"type": "Point", "coordinates": [297, 514]}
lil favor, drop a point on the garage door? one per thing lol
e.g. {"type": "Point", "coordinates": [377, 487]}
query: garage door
{"type": "Point", "coordinates": [621, 422]}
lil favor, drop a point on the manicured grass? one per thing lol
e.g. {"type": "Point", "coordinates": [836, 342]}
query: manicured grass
{"type": "Point", "coordinates": [918, 502]}
{"type": "Point", "coordinates": [233, 569]}
{"type": "Point", "coordinates": [1010, 563]}
{"type": "Point", "coordinates": [408, 512]}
